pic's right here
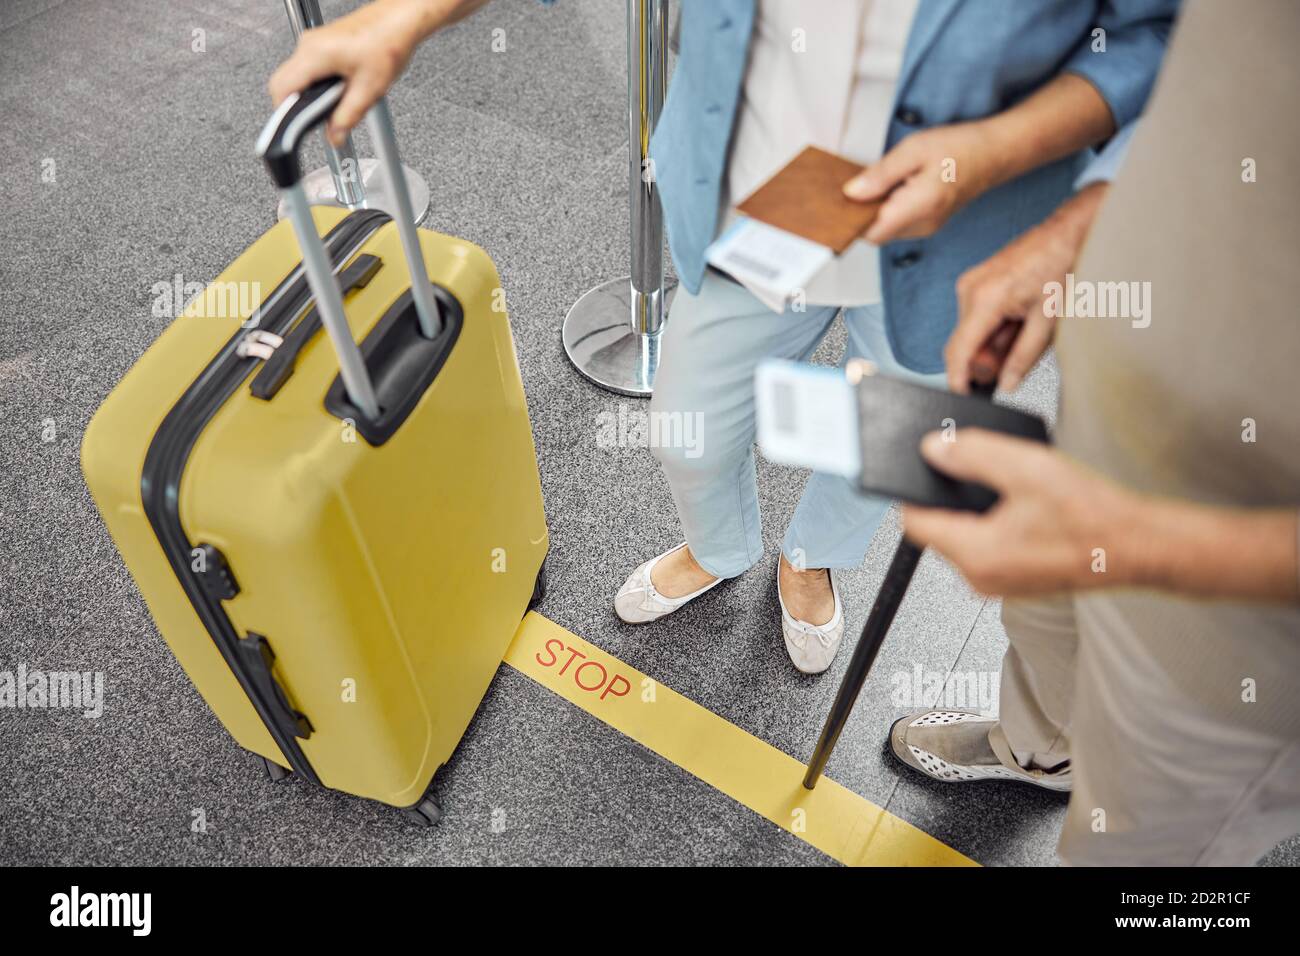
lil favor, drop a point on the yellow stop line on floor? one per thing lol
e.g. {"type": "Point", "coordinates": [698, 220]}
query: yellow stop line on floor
{"type": "Point", "coordinates": [834, 819]}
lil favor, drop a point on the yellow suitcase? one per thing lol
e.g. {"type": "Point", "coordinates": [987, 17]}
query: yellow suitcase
{"type": "Point", "coordinates": [339, 581]}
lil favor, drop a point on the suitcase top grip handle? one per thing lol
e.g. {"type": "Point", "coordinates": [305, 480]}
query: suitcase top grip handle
{"type": "Point", "coordinates": [298, 115]}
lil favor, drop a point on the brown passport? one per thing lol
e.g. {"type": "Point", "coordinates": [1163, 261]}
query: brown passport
{"type": "Point", "coordinates": [806, 198]}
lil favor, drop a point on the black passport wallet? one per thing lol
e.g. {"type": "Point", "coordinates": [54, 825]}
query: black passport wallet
{"type": "Point", "coordinates": [894, 414]}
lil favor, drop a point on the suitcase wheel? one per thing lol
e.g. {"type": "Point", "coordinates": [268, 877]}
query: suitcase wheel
{"type": "Point", "coordinates": [426, 813]}
{"type": "Point", "coordinates": [539, 587]}
{"type": "Point", "coordinates": [274, 771]}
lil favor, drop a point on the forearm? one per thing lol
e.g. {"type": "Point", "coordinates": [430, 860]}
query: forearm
{"type": "Point", "coordinates": [1215, 552]}
{"type": "Point", "coordinates": [1073, 219]}
{"type": "Point", "coordinates": [423, 18]}
{"type": "Point", "coordinates": [1065, 116]}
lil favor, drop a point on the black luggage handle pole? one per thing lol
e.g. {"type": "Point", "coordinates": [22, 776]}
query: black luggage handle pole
{"type": "Point", "coordinates": [894, 587]}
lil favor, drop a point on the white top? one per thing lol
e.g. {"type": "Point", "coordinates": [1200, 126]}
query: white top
{"type": "Point", "coordinates": [821, 73]}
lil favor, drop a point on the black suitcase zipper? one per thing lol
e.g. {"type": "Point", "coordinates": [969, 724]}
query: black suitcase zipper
{"type": "Point", "coordinates": [249, 657]}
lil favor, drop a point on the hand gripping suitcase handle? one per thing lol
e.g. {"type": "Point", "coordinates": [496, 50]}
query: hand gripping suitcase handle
{"type": "Point", "coordinates": [278, 144]}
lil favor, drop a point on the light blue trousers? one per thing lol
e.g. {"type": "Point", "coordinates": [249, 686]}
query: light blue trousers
{"type": "Point", "coordinates": [712, 344]}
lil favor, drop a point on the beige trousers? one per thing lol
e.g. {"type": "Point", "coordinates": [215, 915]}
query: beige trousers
{"type": "Point", "coordinates": [1159, 778]}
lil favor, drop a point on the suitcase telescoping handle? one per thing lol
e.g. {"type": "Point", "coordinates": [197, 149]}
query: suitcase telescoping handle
{"type": "Point", "coordinates": [278, 146]}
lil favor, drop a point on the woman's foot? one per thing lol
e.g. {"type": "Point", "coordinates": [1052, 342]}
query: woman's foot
{"type": "Point", "coordinates": [812, 618]}
{"type": "Point", "coordinates": [662, 585]}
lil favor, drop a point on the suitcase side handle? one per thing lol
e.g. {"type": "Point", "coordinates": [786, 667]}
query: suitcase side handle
{"type": "Point", "coordinates": [277, 146]}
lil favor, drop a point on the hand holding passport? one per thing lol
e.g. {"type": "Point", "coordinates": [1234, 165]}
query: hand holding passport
{"type": "Point", "coordinates": [794, 224]}
{"type": "Point", "coordinates": [806, 198]}
{"type": "Point", "coordinates": [867, 426]}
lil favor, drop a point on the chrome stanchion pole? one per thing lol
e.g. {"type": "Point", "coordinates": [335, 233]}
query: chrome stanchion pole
{"type": "Point", "coordinates": [612, 333]}
{"type": "Point", "coordinates": [340, 184]}
{"type": "Point", "coordinates": [346, 180]}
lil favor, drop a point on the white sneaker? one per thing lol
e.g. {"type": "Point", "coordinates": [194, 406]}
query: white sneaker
{"type": "Point", "coordinates": [812, 647]}
{"type": "Point", "coordinates": [637, 601]}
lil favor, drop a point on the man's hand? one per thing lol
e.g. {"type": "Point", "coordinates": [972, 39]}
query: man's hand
{"type": "Point", "coordinates": [1043, 534]}
{"type": "Point", "coordinates": [1058, 526]}
{"type": "Point", "coordinates": [369, 48]}
{"type": "Point", "coordinates": [1011, 287]}
{"type": "Point", "coordinates": [924, 179]}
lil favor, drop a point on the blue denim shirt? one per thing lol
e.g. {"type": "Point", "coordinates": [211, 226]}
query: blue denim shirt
{"type": "Point", "coordinates": [963, 61]}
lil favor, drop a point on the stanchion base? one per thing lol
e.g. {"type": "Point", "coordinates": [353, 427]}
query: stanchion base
{"type": "Point", "coordinates": [600, 343]}
{"type": "Point", "coordinates": [319, 186]}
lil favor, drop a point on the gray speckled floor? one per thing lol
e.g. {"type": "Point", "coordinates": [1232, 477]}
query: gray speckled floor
{"type": "Point", "coordinates": [524, 152]}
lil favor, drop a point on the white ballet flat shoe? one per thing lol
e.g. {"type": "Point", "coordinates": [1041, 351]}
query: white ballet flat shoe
{"type": "Point", "coordinates": [811, 647]}
{"type": "Point", "coordinates": [637, 601]}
